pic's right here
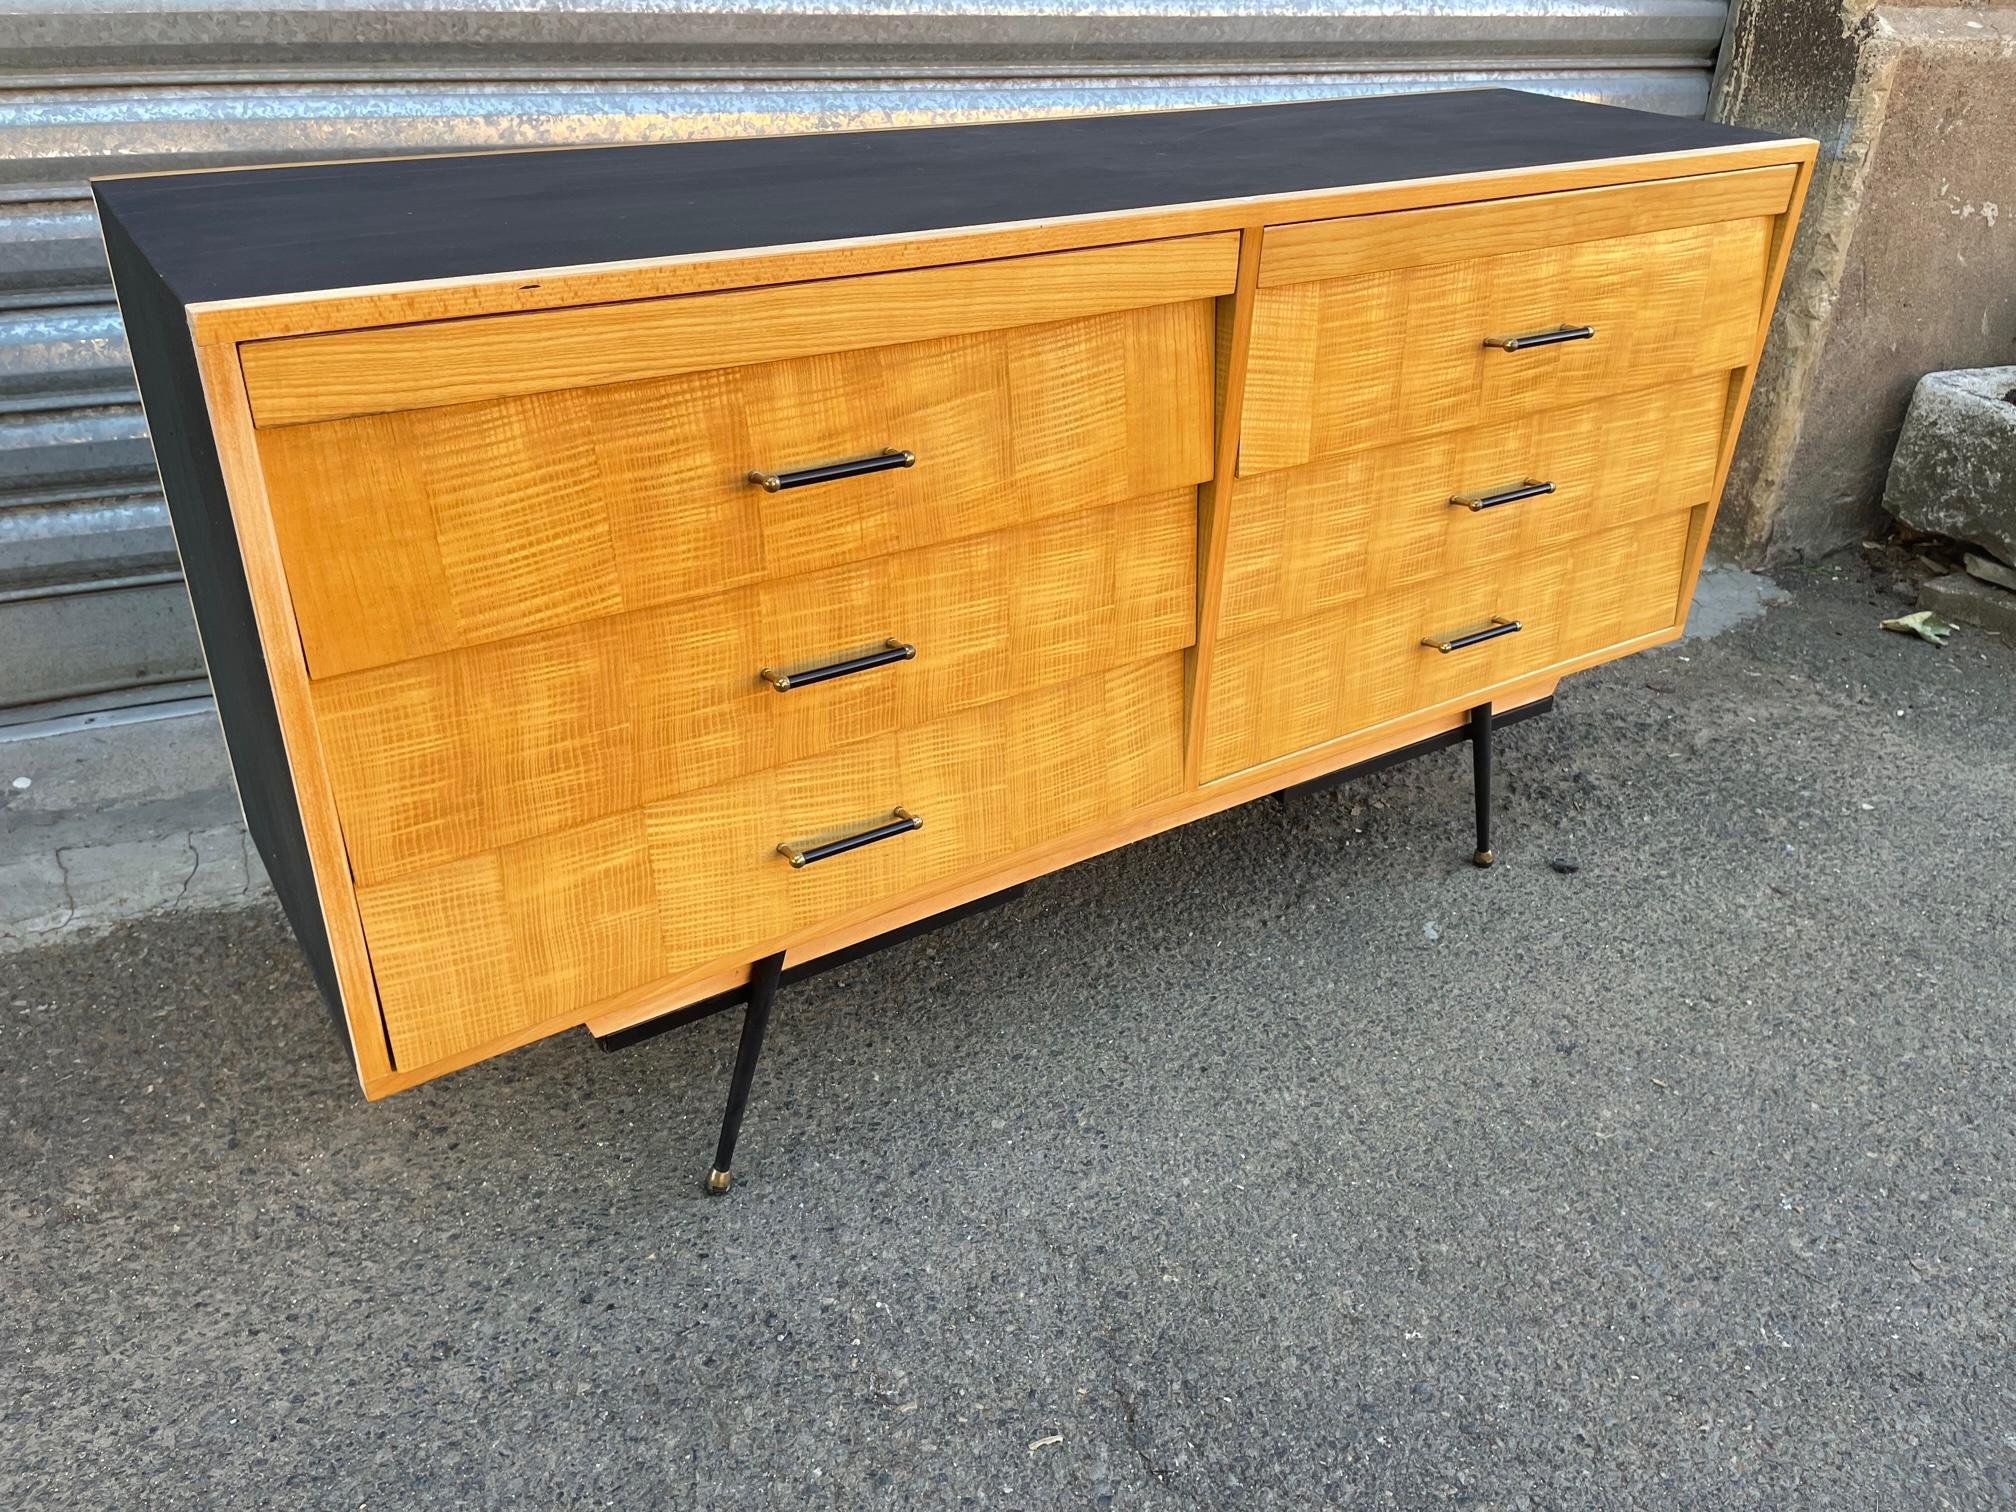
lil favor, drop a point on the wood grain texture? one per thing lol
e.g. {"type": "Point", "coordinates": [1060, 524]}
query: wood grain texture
{"type": "Point", "coordinates": [412, 534]}
{"type": "Point", "coordinates": [296, 380]}
{"type": "Point", "coordinates": [1308, 540]}
{"type": "Point", "coordinates": [659, 997]}
{"type": "Point", "coordinates": [1296, 685]}
{"type": "Point", "coordinates": [470, 750]}
{"type": "Point", "coordinates": [1346, 248]}
{"type": "Point", "coordinates": [473, 951]}
{"type": "Point", "coordinates": [1349, 363]}
{"type": "Point", "coordinates": [1152, 819]}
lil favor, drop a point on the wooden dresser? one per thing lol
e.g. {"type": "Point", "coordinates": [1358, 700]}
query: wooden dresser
{"type": "Point", "coordinates": [631, 574]}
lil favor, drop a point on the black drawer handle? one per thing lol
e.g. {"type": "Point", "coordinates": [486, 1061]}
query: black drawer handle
{"type": "Point", "coordinates": [901, 822]}
{"type": "Point", "coordinates": [893, 650]}
{"type": "Point", "coordinates": [827, 472]}
{"type": "Point", "coordinates": [1499, 626]}
{"type": "Point", "coordinates": [1532, 488]}
{"type": "Point", "coordinates": [1540, 338]}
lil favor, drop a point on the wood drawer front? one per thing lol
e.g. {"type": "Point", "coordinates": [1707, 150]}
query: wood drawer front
{"type": "Point", "coordinates": [1344, 363]}
{"type": "Point", "coordinates": [454, 754]}
{"type": "Point", "coordinates": [1306, 541]}
{"type": "Point", "coordinates": [297, 379]}
{"type": "Point", "coordinates": [409, 534]}
{"type": "Point", "coordinates": [485, 947]}
{"type": "Point", "coordinates": [1289, 687]}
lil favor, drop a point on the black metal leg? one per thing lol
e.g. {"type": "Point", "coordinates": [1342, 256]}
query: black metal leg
{"type": "Point", "coordinates": [1480, 766]}
{"type": "Point", "coordinates": [763, 977]}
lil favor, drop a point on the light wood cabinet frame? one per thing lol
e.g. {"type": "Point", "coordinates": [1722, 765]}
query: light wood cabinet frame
{"type": "Point", "coordinates": [237, 364]}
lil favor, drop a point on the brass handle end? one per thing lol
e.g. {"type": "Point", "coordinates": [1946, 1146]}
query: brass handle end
{"type": "Point", "coordinates": [1498, 625]}
{"type": "Point", "coordinates": [1553, 336]}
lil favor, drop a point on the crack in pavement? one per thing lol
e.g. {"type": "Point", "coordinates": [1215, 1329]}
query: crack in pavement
{"type": "Point", "coordinates": [195, 865]}
{"type": "Point", "coordinates": [69, 896]}
{"type": "Point", "coordinates": [1131, 1415]}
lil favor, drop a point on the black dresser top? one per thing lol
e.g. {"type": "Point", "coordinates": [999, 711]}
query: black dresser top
{"type": "Point", "coordinates": [246, 234]}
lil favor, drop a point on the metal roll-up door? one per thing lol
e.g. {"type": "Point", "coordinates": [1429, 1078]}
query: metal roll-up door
{"type": "Point", "coordinates": [89, 597]}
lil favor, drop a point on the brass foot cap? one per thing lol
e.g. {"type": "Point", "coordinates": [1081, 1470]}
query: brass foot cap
{"type": "Point", "coordinates": [718, 1182]}
{"type": "Point", "coordinates": [1484, 858]}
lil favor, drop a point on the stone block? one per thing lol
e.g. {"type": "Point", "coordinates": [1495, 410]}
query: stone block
{"type": "Point", "coordinates": [1989, 570]}
{"type": "Point", "coordinates": [1971, 601]}
{"type": "Point", "coordinates": [1954, 471]}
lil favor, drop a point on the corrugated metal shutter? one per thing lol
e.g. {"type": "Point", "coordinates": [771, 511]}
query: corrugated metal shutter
{"type": "Point", "coordinates": [89, 596]}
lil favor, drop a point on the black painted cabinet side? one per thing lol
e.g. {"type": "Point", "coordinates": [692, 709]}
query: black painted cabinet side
{"type": "Point", "coordinates": [178, 422]}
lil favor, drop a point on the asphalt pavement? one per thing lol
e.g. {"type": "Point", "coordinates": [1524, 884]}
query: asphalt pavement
{"type": "Point", "coordinates": [1285, 1161]}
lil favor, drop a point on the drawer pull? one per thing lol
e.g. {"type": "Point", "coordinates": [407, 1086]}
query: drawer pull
{"type": "Point", "coordinates": [893, 650]}
{"type": "Point", "coordinates": [901, 822]}
{"type": "Point", "coordinates": [1499, 626]}
{"type": "Point", "coordinates": [827, 472]}
{"type": "Point", "coordinates": [1532, 488]}
{"type": "Point", "coordinates": [1541, 338]}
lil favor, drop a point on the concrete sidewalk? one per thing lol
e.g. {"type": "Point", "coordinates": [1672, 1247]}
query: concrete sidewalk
{"type": "Point", "coordinates": [106, 818]}
{"type": "Point", "coordinates": [1282, 1161]}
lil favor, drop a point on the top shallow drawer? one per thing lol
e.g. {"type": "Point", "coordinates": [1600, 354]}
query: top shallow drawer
{"type": "Point", "coordinates": [296, 379]}
{"type": "Point", "coordinates": [1374, 328]}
